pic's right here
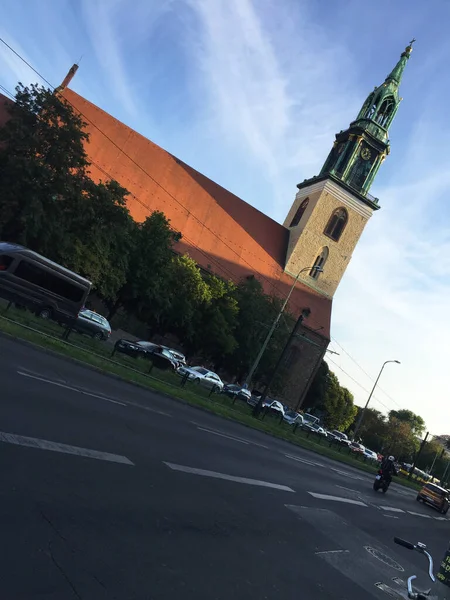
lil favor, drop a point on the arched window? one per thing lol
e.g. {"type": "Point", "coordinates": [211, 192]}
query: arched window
{"type": "Point", "coordinates": [336, 224]}
{"type": "Point", "coordinates": [299, 214]}
{"type": "Point", "coordinates": [319, 263]}
{"type": "Point", "coordinates": [386, 108]}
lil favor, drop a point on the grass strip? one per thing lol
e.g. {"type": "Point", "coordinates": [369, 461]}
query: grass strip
{"type": "Point", "coordinates": [169, 384]}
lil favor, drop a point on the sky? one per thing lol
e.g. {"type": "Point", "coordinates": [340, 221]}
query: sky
{"type": "Point", "coordinates": [251, 93]}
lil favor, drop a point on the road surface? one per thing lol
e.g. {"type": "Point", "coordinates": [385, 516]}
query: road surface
{"type": "Point", "coordinates": [111, 491]}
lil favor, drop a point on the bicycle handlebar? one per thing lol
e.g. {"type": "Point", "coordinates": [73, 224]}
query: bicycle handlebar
{"type": "Point", "coordinates": [422, 549]}
{"type": "Point", "coordinates": [404, 543]}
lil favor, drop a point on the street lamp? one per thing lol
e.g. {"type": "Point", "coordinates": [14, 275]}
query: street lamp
{"type": "Point", "coordinates": [275, 323]}
{"type": "Point", "coordinates": [361, 416]}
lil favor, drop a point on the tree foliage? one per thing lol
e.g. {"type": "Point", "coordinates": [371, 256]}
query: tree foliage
{"type": "Point", "coordinates": [416, 423]}
{"type": "Point", "coordinates": [328, 398]}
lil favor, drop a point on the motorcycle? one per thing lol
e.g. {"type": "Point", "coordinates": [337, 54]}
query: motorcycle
{"type": "Point", "coordinates": [381, 482]}
{"type": "Point", "coordinates": [438, 592]}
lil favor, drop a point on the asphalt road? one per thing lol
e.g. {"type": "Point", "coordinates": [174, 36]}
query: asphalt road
{"type": "Point", "coordinates": [111, 491]}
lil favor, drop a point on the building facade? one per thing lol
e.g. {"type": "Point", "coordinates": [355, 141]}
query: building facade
{"type": "Point", "coordinates": [232, 239]}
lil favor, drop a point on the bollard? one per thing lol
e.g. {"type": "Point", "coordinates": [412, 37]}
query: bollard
{"type": "Point", "coordinates": [184, 379]}
{"type": "Point", "coordinates": [211, 391]}
{"type": "Point", "coordinates": [151, 367]}
{"type": "Point", "coordinates": [295, 427]}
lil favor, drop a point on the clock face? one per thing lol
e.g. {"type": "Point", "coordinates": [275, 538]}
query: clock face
{"type": "Point", "coordinates": [365, 154]}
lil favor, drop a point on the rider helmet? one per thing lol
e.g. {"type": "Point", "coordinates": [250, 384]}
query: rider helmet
{"type": "Point", "coordinates": [391, 458]}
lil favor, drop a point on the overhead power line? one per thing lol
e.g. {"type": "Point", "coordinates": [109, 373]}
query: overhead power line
{"type": "Point", "coordinates": [201, 251]}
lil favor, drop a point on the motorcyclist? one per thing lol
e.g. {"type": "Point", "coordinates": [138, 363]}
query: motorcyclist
{"type": "Point", "coordinates": [388, 468]}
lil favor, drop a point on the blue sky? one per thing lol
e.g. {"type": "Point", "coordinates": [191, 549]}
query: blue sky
{"type": "Point", "coordinates": [251, 93]}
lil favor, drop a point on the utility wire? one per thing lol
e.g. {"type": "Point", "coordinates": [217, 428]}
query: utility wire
{"type": "Point", "coordinates": [209, 257]}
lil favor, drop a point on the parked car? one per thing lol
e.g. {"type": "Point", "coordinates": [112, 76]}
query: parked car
{"type": "Point", "coordinates": [234, 390]}
{"type": "Point", "coordinates": [202, 376]}
{"type": "Point", "coordinates": [273, 407]}
{"type": "Point", "coordinates": [92, 324]}
{"type": "Point", "coordinates": [355, 447]}
{"type": "Point", "coordinates": [292, 418]}
{"type": "Point", "coordinates": [370, 454]}
{"type": "Point", "coordinates": [135, 349]}
{"type": "Point", "coordinates": [310, 418]}
{"type": "Point", "coordinates": [435, 495]}
{"type": "Point", "coordinates": [338, 436]}
{"type": "Point", "coordinates": [315, 428]}
{"type": "Point", "coordinates": [179, 357]}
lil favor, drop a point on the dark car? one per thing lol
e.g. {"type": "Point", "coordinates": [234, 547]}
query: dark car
{"type": "Point", "coordinates": [93, 324]}
{"type": "Point", "coordinates": [234, 390]}
{"type": "Point", "coordinates": [161, 356]}
{"type": "Point", "coordinates": [135, 349]}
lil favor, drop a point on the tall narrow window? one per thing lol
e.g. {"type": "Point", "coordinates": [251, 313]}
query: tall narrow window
{"type": "Point", "coordinates": [385, 111]}
{"type": "Point", "coordinates": [319, 263]}
{"type": "Point", "coordinates": [336, 224]}
{"type": "Point", "coordinates": [299, 214]}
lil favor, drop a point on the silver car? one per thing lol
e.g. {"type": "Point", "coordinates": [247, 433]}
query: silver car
{"type": "Point", "coordinates": [93, 324]}
{"type": "Point", "coordinates": [202, 376]}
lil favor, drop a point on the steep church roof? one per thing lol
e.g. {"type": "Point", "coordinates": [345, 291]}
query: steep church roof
{"type": "Point", "coordinates": [221, 232]}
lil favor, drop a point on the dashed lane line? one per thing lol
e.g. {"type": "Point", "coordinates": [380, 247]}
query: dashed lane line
{"type": "Point", "coordinates": [222, 435]}
{"type": "Point", "coordinates": [304, 461]}
{"type": "Point", "coordinates": [233, 478]}
{"type": "Point", "coordinates": [69, 387]}
{"type": "Point", "coordinates": [21, 440]}
{"type": "Point", "coordinates": [231, 437]}
{"type": "Point", "coordinates": [419, 514]}
{"type": "Point", "coordinates": [337, 499]}
{"type": "Point", "coordinates": [391, 509]}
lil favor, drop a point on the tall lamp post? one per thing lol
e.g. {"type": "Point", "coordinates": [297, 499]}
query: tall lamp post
{"type": "Point", "coordinates": [305, 314]}
{"type": "Point", "coordinates": [275, 323]}
{"type": "Point", "coordinates": [361, 416]}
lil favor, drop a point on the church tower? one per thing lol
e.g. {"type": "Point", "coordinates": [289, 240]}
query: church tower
{"type": "Point", "coordinates": [331, 209]}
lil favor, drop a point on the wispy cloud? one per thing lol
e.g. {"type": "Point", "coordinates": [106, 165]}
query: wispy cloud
{"type": "Point", "coordinates": [258, 86]}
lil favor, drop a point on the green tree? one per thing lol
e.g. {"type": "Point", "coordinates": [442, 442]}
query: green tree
{"type": "Point", "coordinates": [373, 428]}
{"type": "Point", "coordinates": [316, 393]}
{"type": "Point", "coordinates": [42, 168]}
{"type": "Point", "coordinates": [100, 235]}
{"type": "Point", "coordinates": [187, 292]}
{"type": "Point", "coordinates": [47, 200]}
{"type": "Point", "coordinates": [338, 405]}
{"type": "Point", "coordinates": [215, 322]}
{"type": "Point", "coordinates": [399, 440]}
{"type": "Point", "coordinates": [146, 289]}
{"type": "Point", "coordinates": [416, 422]}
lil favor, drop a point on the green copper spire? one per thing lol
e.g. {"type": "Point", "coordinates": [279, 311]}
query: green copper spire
{"type": "Point", "coordinates": [359, 151]}
{"type": "Point", "coordinates": [396, 74]}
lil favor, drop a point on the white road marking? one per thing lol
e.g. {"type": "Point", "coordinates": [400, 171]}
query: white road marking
{"type": "Point", "coordinates": [391, 509]}
{"type": "Point", "coordinates": [390, 516]}
{"type": "Point", "coordinates": [223, 435]}
{"type": "Point", "coordinates": [21, 440]}
{"type": "Point", "coordinates": [337, 499]}
{"type": "Point", "coordinates": [440, 518]}
{"type": "Point", "coordinates": [419, 514]}
{"type": "Point", "coordinates": [333, 552]}
{"type": "Point", "coordinates": [69, 387]}
{"type": "Point", "coordinates": [214, 474]}
{"type": "Point", "coordinates": [232, 437]}
{"type": "Point", "coordinates": [346, 474]}
{"type": "Point", "coordinates": [348, 489]}
{"type": "Point", "coordinates": [303, 460]}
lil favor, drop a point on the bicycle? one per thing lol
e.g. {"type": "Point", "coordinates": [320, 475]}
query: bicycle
{"type": "Point", "coordinates": [425, 595]}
